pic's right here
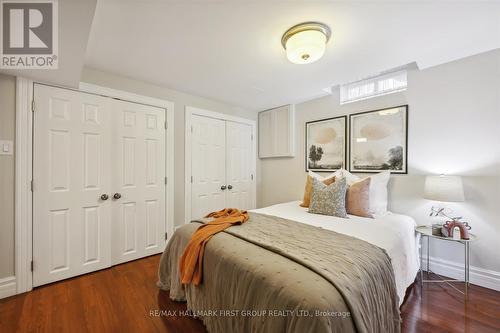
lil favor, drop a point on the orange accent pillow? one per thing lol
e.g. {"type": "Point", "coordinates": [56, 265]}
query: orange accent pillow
{"type": "Point", "coordinates": [308, 189]}
{"type": "Point", "coordinates": [358, 198]}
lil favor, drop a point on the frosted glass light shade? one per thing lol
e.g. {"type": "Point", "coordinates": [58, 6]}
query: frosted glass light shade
{"type": "Point", "coordinates": [306, 47]}
{"type": "Point", "coordinates": [305, 42]}
{"type": "Point", "coordinates": [444, 188]}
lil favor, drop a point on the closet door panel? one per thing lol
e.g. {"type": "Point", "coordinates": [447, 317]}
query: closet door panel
{"type": "Point", "coordinates": [71, 149]}
{"type": "Point", "coordinates": [239, 163]}
{"type": "Point", "coordinates": [208, 165]}
{"type": "Point", "coordinates": [139, 173]}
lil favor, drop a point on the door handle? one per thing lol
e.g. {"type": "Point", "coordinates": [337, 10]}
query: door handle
{"type": "Point", "coordinates": [229, 187]}
{"type": "Point", "coordinates": [104, 197]}
{"type": "Point", "coordinates": [117, 196]}
{"type": "Point", "coordinates": [223, 187]}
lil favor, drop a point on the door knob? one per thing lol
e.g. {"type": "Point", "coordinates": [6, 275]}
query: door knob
{"type": "Point", "coordinates": [117, 196]}
{"type": "Point", "coordinates": [223, 187]}
{"type": "Point", "coordinates": [104, 197]}
{"type": "Point", "coordinates": [229, 187]}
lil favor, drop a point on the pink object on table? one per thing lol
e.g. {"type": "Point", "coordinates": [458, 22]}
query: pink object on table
{"type": "Point", "coordinates": [448, 229]}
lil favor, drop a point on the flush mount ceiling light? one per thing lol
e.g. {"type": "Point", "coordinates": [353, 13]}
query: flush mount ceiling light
{"type": "Point", "coordinates": [306, 42]}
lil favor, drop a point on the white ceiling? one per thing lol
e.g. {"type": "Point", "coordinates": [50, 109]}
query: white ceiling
{"type": "Point", "coordinates": [230, 51]}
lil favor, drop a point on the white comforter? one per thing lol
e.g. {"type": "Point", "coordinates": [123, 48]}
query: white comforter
{"type": "Point", "coordinates": [393, 232]}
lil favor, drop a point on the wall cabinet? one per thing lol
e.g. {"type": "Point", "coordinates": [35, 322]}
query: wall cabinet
{"type": "Point", "coordinates": [277, 132]}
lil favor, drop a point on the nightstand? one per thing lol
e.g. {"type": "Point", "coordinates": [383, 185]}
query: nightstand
{"type": "Point", "coordinates": [426, 231]}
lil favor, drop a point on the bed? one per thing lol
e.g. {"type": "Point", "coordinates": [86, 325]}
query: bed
{"type": "Point", "coordinates": [280, 272]}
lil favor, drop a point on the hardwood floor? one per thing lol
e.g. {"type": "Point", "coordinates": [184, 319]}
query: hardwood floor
{"type": "Point", "coordinates": [439, 308]}
{"type": "Point", "coordinates": [120, 299]}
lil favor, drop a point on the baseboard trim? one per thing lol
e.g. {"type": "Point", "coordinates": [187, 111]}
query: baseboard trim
{"type": "Point", "coordinates": [8, 286]}
{"type": "Point", "coordinates": [478, 276]}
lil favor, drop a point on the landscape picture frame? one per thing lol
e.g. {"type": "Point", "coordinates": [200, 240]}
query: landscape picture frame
{"type": "Point", "coordinates": [378, 140]}
{"type": "Point", "coordinates": [326, 144]}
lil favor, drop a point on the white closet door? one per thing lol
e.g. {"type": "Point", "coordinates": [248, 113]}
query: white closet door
{"type": "Point", "coordinates": [139, 179]}
{"type": "Point", "coordinates": [239, 162]}
{"type": "Point", "coordinates": [208, 165]}
{"type": "Point", "coordinates": [71, 224]}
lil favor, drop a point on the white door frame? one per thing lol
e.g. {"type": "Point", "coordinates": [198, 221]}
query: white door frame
{"type": "Point", "coordinates": [24, 158]}
{"type": "Point", "coordinates": [189, 112]}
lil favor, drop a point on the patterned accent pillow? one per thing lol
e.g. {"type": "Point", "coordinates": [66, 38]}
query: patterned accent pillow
{"type": "Point", "coordinates": [308, 190]}
{"type": "Point", "coordinates": [328, 199]}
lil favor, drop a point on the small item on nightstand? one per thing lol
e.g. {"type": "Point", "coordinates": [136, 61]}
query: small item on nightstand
{"type": "Point", "coordinates": [436, 230]}
{"type": "Point", "coordinates": [456, 233]}
{"type": "Point", "coordinates": [449, 226]}
{"type": "Point", "coordinates": [444, 231]}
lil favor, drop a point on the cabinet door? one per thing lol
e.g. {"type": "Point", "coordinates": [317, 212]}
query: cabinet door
{"type": "Point", "coordinates": [276, 132]}
{"type": "Point", "coordinates": [71, 170]}
{"type": "Point", "coordinates": [208, 165]}
{"type": "Point", "coordinates": [239, 165]}
{"type": "Point", "coordinates": [266, 134]}
{"type": "Point", "coordinates": [138, 180]}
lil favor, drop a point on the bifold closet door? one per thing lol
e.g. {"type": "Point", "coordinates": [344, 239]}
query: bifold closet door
{"type": "Point", "coordinates": [222, 159]}
{"type": "Point", "coordinates": [208, 165]}
{"type": "Point", "coordinates": [138, 181]}
{"type": "Point", "coordinates": [239, 162]}
{"type": "Point", "coordinates": [71, 222]}
{"type": "Point", "coordinates": [99, 182]}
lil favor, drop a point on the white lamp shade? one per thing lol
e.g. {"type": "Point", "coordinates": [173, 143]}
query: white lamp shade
{"type": "Point", "coordinates": [444, 188]}
{"type": "Point", "coordinates": [306, 46]}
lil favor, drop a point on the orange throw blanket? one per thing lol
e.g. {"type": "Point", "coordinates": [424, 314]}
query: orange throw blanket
{"type": "Point", "coordinates": [192, 258]}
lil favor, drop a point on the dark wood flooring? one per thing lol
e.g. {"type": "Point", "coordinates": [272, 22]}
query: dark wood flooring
{"type": "Point", "coordinates": [122, 298]}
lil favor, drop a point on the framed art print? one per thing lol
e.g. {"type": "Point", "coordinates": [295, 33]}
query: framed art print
{"type": "Point", "coordinates": [326, 144]}
{"type": "Point", "coordinates": [378, 140]}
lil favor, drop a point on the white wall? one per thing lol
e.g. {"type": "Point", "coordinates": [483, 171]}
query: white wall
{"type": "Point", "coordinates": [180, 100]}
{"type": "Point", "coordinates": [7, 165]}
{"type": "Point", "coordinates": [454, 128]}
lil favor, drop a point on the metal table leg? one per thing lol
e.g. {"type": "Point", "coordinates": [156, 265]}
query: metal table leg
{"type": "Point", "coordinates": [428, 252]}
{"type": "Point", "coordinates": [466, 267]}
{"type": "Point", "coordinates": [421, 262]}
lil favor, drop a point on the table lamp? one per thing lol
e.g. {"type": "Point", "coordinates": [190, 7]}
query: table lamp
{"type": "Point", "coordinates": [445, 189]}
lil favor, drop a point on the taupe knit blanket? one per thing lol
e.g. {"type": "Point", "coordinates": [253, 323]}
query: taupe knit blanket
{"type": "Point", "coordinates": [293, 276]}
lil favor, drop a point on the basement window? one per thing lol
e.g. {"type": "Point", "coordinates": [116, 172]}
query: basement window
{"type": "Point", "coordinates": [372, 87]}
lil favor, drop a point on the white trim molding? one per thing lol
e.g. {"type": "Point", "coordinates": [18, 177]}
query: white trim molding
{"type": "Point", "coordinates": [8, 287]}
{"type": "Point", "coordinates": [23, 195]}
{"type": "Point", "coordinates": [478, 276]}
{"type": "Point", "coordinates": [189, 112]}
{"type": "Point", "coordinates": [216, 115]}
{"type": "Point", "coordinates": [124, 95]}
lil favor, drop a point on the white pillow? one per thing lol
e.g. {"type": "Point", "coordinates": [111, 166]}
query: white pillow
{"type": "Point", "coordinates": [349, 177]}
{"type": "Point", "coordinates": [378, 190]}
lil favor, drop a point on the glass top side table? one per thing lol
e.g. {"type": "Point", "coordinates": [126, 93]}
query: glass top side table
{"type": "Point", "coordinates": [426, 231]}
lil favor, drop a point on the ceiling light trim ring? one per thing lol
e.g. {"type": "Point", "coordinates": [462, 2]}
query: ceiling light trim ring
{"type": "Point", "coordinates": [306, 26]}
